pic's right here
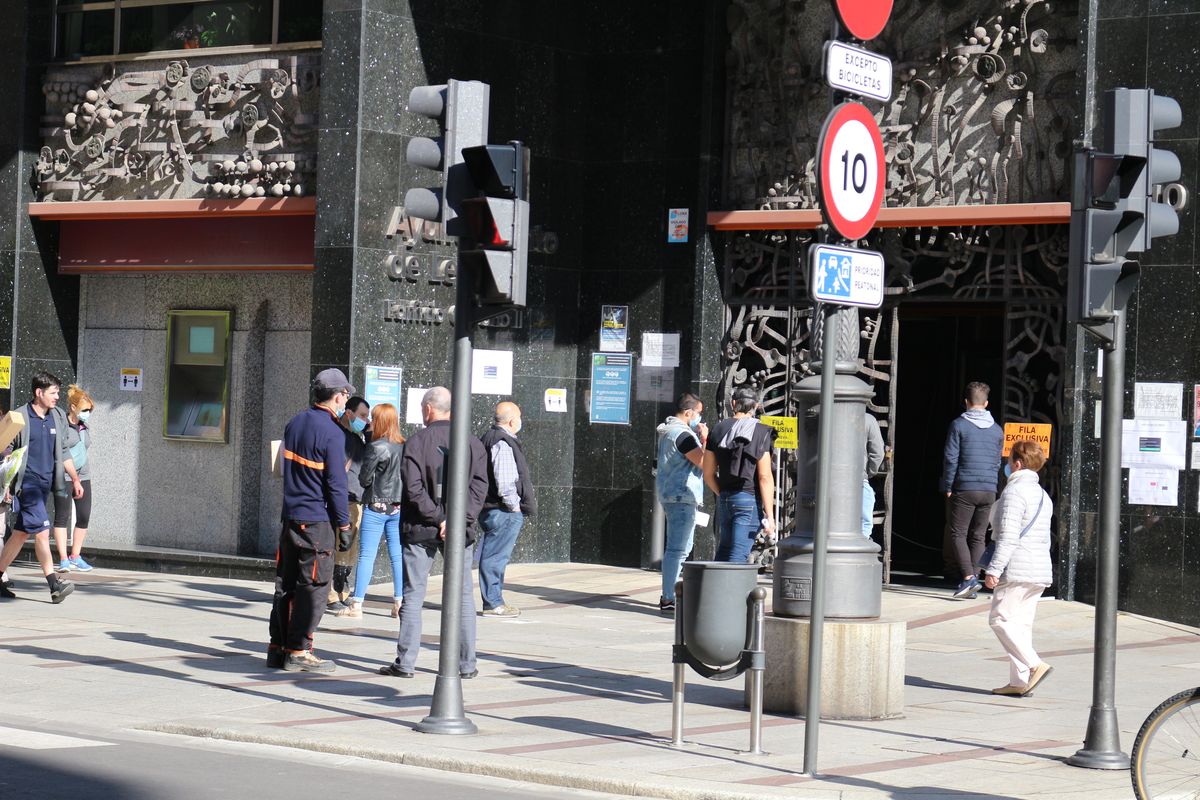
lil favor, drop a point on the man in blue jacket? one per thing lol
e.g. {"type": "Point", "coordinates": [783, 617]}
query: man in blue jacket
{"type": "Point", "coordinates": [314, 501]}
{"type": "Point", "coordinates": [971, 467]}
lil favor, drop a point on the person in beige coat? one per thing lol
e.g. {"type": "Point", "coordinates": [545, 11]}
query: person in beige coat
{"type": "Point", "coordinates": [1020, 569]}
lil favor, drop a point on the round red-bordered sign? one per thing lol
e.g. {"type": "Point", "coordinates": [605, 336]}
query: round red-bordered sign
{"type": "Point", "coordinates": [865, 19]}
{"type": "Point", "coordinates": [851, 171]}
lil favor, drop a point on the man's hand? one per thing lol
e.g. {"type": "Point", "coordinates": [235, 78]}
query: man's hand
{"type": "Point", "coordinates": [703, 430]}
{"type": "Point", "coordinates": [949, 493]}
{"type": "Point", "coordinates": [990, 581]}
{"type": "Point", "coordinates": [768, 525]}
{"type": "Point", "coordinates": [442, 529]}
{"type": "Point", "coordinates": [345, 539]}
{"type": "Point", "coordinates": [77, 490]}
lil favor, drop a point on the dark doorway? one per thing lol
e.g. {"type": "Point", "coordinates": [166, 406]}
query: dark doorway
{"type": "Point", "coordinates": [943, 347]}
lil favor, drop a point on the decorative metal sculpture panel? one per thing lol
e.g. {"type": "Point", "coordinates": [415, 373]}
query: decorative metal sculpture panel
{"type": "Point", "coordinates": [983, 111]}
{"type": "Point", "coordinates": [180, 130]}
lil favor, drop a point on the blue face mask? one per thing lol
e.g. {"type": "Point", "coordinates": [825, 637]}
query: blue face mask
{"type": "Point", "coordinates": [84, 415]}
{"type": "Point", "coordinates": [358, 424]}
{"type": "Point", "coordinates": [695, 423]}
{"type": "Point", "coordinates": [1008, 469]}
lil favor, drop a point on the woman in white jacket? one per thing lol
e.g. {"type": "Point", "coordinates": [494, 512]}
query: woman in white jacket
{"type": "Point", "coordinates": [1020, 569]}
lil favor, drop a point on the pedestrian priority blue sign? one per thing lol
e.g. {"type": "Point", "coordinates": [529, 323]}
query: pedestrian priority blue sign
{"type": "Point", "coordinates": [846, 275]}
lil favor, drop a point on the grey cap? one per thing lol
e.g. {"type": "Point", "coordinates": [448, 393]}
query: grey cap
{"type": "Point", "coordinates": [333, 379]}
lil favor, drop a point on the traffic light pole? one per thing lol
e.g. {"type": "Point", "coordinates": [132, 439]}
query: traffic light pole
{"type": "Point", "coordinates": [446, 714]}
{"type": "Point", "coordinates": [1102, 744]}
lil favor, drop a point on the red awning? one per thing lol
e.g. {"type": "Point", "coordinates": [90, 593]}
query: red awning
{"type": "Point", "coordinates": [259, 234]}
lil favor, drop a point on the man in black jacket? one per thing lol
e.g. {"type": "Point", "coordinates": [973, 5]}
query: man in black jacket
{"type": "Point", "coordinates": [423, 529]}
{"type": "Point", "coordinates": [510, 498]}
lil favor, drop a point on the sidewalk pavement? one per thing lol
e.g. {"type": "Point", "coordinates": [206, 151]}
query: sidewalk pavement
{"type": "Point", "coordinates": [576, 692]}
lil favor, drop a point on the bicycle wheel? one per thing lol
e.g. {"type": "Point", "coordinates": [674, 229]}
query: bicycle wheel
{"type": "Point", "coordinates": [1166, 753]}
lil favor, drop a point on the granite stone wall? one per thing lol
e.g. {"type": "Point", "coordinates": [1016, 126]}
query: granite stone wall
{"type": "Point", "coordinates": [615, 103]}
{"type": "Point", "coordinates": [1136, 44]}
{"type": "Point", "coordinates": [208, 496]}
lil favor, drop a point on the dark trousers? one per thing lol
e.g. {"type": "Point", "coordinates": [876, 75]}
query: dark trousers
{"type": "Point", "coordinates": [968, 527]}
{"type": "Point", "coordinates": [303, 569]}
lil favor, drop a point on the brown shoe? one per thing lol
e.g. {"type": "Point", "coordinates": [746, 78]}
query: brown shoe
{"type": "Point", "coordinates": [353, 609]}
{"type": "Point", "coordinates": [307, 661]}
{"type": "Point", "coordinates": [1036, 675]}
{"type": "Point", "coordinates": [1010, 690]}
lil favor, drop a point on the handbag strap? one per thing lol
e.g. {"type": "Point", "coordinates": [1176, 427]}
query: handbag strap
{"type": "Point", "coordinates": [1036, 514]}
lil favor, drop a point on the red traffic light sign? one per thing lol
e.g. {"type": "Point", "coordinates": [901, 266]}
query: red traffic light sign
{"type": "Point", "coordinates": [865, 19]}
{"type": "Point", "coordinates": [851, 170]}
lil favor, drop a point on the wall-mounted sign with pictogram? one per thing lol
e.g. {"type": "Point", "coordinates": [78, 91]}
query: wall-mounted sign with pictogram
{"type": "Point", "coordinates": [850, 172]}
{"type": "Point", "coordinates": [864, 19]}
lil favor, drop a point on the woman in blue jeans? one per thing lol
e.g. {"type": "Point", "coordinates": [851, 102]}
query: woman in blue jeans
{"type": "Point", "coordinates": [737, 468]}
{"type": "Point", "coordinates": [382, 490]}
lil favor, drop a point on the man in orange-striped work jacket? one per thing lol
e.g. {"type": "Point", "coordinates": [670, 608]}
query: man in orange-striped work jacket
{"type": "Point", "coordinates": [314, 502]}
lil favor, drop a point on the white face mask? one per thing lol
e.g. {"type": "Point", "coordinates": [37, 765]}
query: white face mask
{"type": "Point", "coordinates": [517, 428]}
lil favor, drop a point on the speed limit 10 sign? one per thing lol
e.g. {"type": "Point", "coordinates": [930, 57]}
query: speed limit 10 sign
{"type": "Point", "coordinates": [850, 170]}
{"type": "Point", "coordinates": [864, 19]}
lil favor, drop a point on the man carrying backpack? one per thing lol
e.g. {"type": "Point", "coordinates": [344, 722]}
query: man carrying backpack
{"type": "Point", "coordinates": [737, 461]}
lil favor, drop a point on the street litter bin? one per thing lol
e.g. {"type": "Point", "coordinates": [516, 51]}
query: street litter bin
{"type": "Point", "coordinates": [719, 610]}
{"type": "Point", "coordinates": [716, 616]}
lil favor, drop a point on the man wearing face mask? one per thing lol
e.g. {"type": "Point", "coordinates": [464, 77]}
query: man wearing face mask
{"type": "Point", "coordinates": [314, 502]}
{"type": "Point", "coordinates": [355, 422]}
{"type": "Point", "coordinates": [510, 499]}
{"type": "Point", "coordinates": [679, 482]}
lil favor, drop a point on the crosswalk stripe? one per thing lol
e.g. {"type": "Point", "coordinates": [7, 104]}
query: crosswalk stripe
{"type": "Point", "coordinates": [36, 740]}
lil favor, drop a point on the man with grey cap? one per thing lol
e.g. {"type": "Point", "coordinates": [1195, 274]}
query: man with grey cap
{"type": "Point", "coordinates": [314, 503]}
{"type": "Point", "coordinates": [423, 530]}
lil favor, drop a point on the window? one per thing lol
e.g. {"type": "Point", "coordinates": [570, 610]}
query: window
{"type": "Point", "coordinates": [127, 27]}
{"type": "Point", "coordinates": [197, 396]}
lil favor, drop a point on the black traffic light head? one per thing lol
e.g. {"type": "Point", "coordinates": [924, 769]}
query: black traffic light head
{"type": "Point", "coordinates": [461, 109]}
{"type": "Point", "coordinates": [1133, 118]}
{"type": "Point", "coordinates": [497, 222]}
{"type": "Point", "coordinates": [1113, 208]}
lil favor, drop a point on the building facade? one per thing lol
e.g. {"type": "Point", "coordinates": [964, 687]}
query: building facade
{"type": "Point", "coordinates": [173, 161]}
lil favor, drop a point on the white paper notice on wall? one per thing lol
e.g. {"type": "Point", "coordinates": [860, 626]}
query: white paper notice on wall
{"type": "Point", "coordinates": [1153, 487]}
{"type": "Point", "coordinates": [1158, 400]}
{"type": "Point", "coordinates": [412, 405]}
{"type": "Point", "coordinates": [1195, 456]}
{"type": "Point", "coordinates": [660, 350]}
{"type": "Point", "coordinates": [492, 372]}
{"type": "Point", "coordinates": [1154, 443]}
{"type": "Point", "coordinates": [556, 401]}
{"type": "Point", "coordinates": [129, 379]}
{"type": "Point", "coordinates": [655, 384]}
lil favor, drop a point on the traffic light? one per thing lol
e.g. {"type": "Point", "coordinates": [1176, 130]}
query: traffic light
{"type": "Point", "coordinates": [497, 222]}
{"type": "Point", "coordinates": [1113, 206]}
{"type": "Point", "coordinates": [461, 110]}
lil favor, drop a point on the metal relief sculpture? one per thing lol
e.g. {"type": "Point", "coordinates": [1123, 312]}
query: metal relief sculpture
{"type": "Point", "coordinates": [181, 130]}
{"type": "Point", "coordinates": [982, 108]}
{"type": "Point", "coordinates": [982, 111]}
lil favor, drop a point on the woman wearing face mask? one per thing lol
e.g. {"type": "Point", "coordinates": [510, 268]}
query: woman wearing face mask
{"type": "Point", "coordinates": [79, 438]}
{"type": "Point", "coordinates": [383, 488]}
{"type": "Point", "coordinates": [1019, 569]}
{"type": "Point", "coordinates": [355, 421]}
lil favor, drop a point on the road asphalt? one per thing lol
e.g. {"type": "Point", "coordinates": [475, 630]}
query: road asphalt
{"type": "Point", "coordinates": [574, 693]}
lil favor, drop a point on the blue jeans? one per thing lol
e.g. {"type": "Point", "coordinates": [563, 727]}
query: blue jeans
{"type": "Point", "coordinates": [868, 508]}
{"type": "Point", "coordinates": [500, 529]}
{"type": "Point", "coordinates": [376, 526]}
{"type": "Point", "coordinates": [681, 529]}
{"type": "Point", "coordinates": [738, 514]}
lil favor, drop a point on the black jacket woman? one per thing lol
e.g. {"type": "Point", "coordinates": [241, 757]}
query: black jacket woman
{"type": "Point", "coordinates": [383, 488]}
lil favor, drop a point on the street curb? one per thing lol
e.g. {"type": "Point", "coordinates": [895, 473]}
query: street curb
{"type": "Point", "coordinates": [487, 765]}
